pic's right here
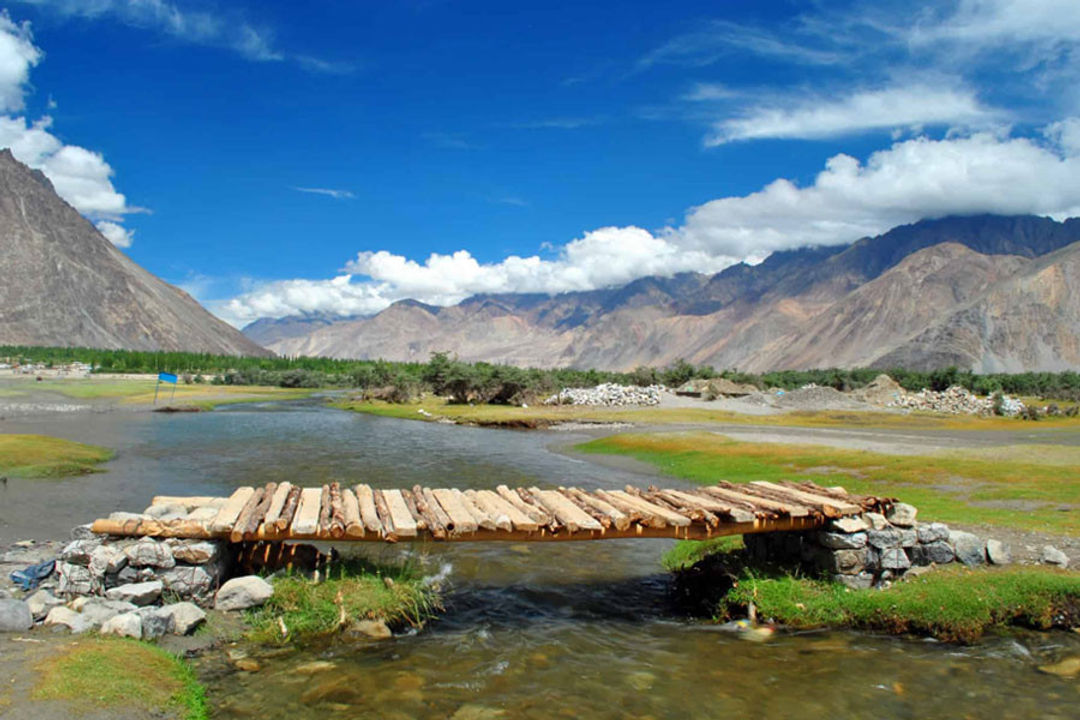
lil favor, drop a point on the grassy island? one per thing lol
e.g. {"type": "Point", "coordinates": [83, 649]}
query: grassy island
{"type": "Point", "coordinates": [41, 456]}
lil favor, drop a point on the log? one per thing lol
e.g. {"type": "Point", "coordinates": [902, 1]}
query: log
{"type": "Point", "coordinates": [711, 503]}
{"type": "Point", "coordinates": [389, 529]}
{"type": "Point", "coordinates": [634, 512]}
{"type": "Point", "coordinates": [739, 493]}
{"type": "Point", "coordinates": [337, 511]}
{"type": "Point", "coordinates": [595, 514]}
{"type": "Point", "coordinates": [619, 519]}
{"type": "Point", "coordinates": [653, 511]}
{"type": "Point", "coordinates": [482, 519]}
{"type": "Point", "coordinates": [528, 509]}
{"type": "Point", "coordinates": [566, 512]}
{"type": "Point", "coordinates": [414, 509]}
{"type": "Point", "coordinates": [365, 496]}
{"type": "Point", "coordinates": [438, 521]}
{"type": "Point", "coordinates": [692, 508]}
{"type": "Point", "coordinates": [153, 528]}
{"type": "Point", "coordinates": [528, 499]}
{"type": "Point", "coordinates": [350, 507]}
{"type": "Point", "coordinates": [288, 511]}
{"type": "Point", "coordinates": [461, 521]}
{"type": "Point", "coordinates": [249, 521]}
{"type": "Point", "coordinates": [830, 507]}
{"type": "Point", "coordinates": [651, 496]}
{"type": "Point", "coordinates": [502, 520]}
{"type": "Point", "coordinates": [226, 517]}
{"type": "Point", "coordinates": [402, 519]}
{"type": "Point", "coordinates": [277, 503]}
{"type": "Point", "coordinates": [502, 507]}
{"type": "Point", "coordinates": [323, 528]}
{"type": "Point", "coordinates": [306, 521]}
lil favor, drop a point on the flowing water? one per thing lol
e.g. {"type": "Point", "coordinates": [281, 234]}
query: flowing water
{"type": "Point", "coordinates": [531, 630]}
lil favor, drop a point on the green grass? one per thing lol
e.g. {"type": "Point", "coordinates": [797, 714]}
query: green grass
{"type": "Point", "coordinates": [41, 456]}
{"type": "Point", "coordinates": [1027, 494]}
{"type": "Point", "coordinates": [687, 552]}
{"type": "Point", "coordinates": [544, 415]}
{"type": "Point", "coordinates": [121, 673]}
{"type": "Point", "coordinates": [141, 391]}
{"type": "Point", "coordinates": [954, 604]}
{"type": "Point", "coordinates": [312, 609]}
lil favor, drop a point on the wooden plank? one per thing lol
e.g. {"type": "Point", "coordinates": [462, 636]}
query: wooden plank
{"type": "Point", "coordinates": [566, 512]}
{"type": "Point", "coordinates": [604, 520]}
{"type": "Point", "coordinates": [228, 513]}
{"type": "Point", "coordinates": [460, 519]}
{"type": "Point", "coordinates": [337, 512]}
{"type": "Point", "coordinates": [739, 493]}
{"type": "Point", "coordinates": [501, 519]}
{"type": "Point", "coordinates": [619, 519]}
{"type": "Point", "coordinates": [530, 501]}
{"type": "Point", "coordinates": [306, 521]}
{"type": "Point", "coordinates": [634, 512]}
{"type": "Point", "coordinates": [482, 519]}
{"type": "Point", "coordinates": [670, 517]}
{"type": "Point", "coordinates": [532, 512]}
{"type": "Point", "coordinates": [501, 507]}
{"type": "Point", "coordinates": [253, 513]}
{"type": "Point", "coordinates": [438, 521]}
{"type": "Point", "coordinates": [387, 520]}
{"type": "Point", "coordinates": [350, 506]}
{"type": "Point", "coordinates": [829, 506]}
{"type": "Point", "coordinates": [277, 502]}
{"type": "Point", "coordinates": [692, 508]}
{"type": "Point", "coordinates": [366, 498]}
{"type": "Point", "coordinates": [404, 523]}
{"type": "Point", "coordinates": [322, 528]}
{"type": "Point", "coordinates": [736, 513]}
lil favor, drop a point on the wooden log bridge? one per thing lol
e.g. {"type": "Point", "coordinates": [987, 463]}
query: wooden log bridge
{"type": "Point", "coordinates": [363, 513]}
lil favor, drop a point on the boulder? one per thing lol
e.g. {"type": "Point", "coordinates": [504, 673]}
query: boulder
{"type": "Point", "coordinates": [191, 581]}
{"type": "Point", "coordinates": [877, 520]}
{"type": "Point", "coordinates": [934, 553]}
{"type": "Point", "coordinates": [68, 618]}
{"type": "Point", "coordinates": [902, 515]}
{"type": "Point", "coordinates": [97, 610]}
{"type": "Point", "coordinates": [895, 559]}
{"type": "Point", "coordinates": [15, 616]}
{"type": "Point", "coordinates": [143, 593]}
{"type": "Point", "coordinates": [127, 624]}
{"type": "Point", "coordinates": [842, 541]}
{"type": "Point", "coordinates": [861, 581]}
{"type": "Point", "coordinates": [82, 532]}
{"type": "Point", "coordinates": [969, 548]}
{"type": "Point", "coordinates": [78, 552]}
{"type": "Point", "coordinates": [150, 553]}
{"type": "Point", "coordinates": [184, 617]}
{"type": "Point", "coordinates": [997, 552]}
{"type": "Point", "coordinates": [932, 532]}
{"type": "Point", "coordinates": [197, 552]}
{"type": "Point", "coordinates": [41, 602]}
{"type": "Point", "coordinates": [75, 579]}
{"type": "Point", "coordinates": [155, 621]}
{"type": "Point", "coordinates": [242, 593]}
{"type": "Point", "coordinates": [849, 525]}
{"type": "Point", "coordinates": [163, 512]}
{"type": "Point", "coordinates": [884, 538]}
{"type": "Point", "coordinates": [908, 537]}
{"type": "Point", "coordinates": [373, 629]}
{"type": "Point", "coordinates": [107, 559]}
{"type": "Point", "coordinates": [1052, 556]}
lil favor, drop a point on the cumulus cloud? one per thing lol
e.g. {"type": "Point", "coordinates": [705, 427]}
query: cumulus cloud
{"type": "Point", "coordinates": [894, 107]}
{"type": "Point", "coordinates": [922, 177]}
{"type": "Point", "coordinates": [80, 176]}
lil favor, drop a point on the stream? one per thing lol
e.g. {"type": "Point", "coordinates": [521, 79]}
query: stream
{"type": "Point", "coordinates": [542, 630]}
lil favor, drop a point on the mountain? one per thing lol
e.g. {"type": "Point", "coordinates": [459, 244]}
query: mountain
{"type": "Point", "coordinates": [900, 296]}
{"type": "Point", "coordinates": [62, 283]}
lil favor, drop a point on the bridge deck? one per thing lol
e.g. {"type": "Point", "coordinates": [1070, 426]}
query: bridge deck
{"type": "Point", "coordinates": [363, 513]}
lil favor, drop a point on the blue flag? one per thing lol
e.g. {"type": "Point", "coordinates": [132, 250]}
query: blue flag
{"type": "Point", "coordinates": [167, 377]}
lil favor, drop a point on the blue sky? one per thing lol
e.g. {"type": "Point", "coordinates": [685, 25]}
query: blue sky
{"type": "Point", "coordinates": [282, 157]}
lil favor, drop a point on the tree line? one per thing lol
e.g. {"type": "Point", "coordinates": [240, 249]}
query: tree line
{"type": "Point", "coordinates": [495, 383]}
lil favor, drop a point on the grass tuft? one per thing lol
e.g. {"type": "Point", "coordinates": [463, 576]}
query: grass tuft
{"type": "Point", "coordinates": [115, 672]}
{"type": "Point", "coordinates": [309, 609]}
{"type": "Point", "coordinates": [41, 456]}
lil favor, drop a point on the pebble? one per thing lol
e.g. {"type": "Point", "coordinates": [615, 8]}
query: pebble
{"type": "Point", "coordinates": [1069, 667]}
{"type": "Point", "coordinates": [248, 665]}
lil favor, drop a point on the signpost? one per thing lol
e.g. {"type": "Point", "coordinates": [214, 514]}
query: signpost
{"type": "Point", "coordinates": [165, 377]}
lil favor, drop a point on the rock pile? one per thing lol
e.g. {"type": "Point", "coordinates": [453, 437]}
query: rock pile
{"type": "Point", "coordinates": [957, 400]}
{"type": "Point", "coordinates": [136, 587]}
{"type": "Point", "coordinates": [874, 549]}
{"type": "Point", "coordinates": [608, 395]}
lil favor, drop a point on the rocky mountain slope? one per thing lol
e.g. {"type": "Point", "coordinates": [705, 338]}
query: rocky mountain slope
{"type": "Point", "coordinates": [881, 300]}
{"type": "Point", "coordinates": [62, 283]}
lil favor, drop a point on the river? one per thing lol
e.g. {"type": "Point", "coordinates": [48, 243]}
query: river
{"type": "Point", "coordinates": [531, 630]}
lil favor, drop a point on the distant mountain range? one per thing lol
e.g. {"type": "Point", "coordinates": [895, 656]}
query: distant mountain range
{"type": "Point", "coordinates": [990, 293]}
{"type": "Point", "coordinates": [63, 284]}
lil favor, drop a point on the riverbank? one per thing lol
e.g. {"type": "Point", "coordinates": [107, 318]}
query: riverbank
{"type": "Point", "coordinates": [40, 456]}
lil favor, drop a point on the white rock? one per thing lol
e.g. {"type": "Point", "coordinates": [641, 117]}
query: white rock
{"type": "Point", "coordinates": [96, 610]}
{"type": "Point", "coordinates": [183, 617]}
{"type": "Point", "coordinates": [155, 621]}
{"type": "Point", "coordinates": [143, 593]}
{"type": "Point", "coordinates": [70, 619]}
{"type": "Point", "coordinates": [197, 552]}
{"type": "Point", "coordinates": [41, 602]}
{"type": "Point", "coordinates": [1052, 556]}
{"type": "Point", "coordinates": [127, 624]}
{"type": "Point", "coordinates": [997, 552]}
{"type": "Point", "coordinates": [15, 616]}
{"type": "Point", "coordinates": [242, 593]}
{"type": "Point", "coordinates": [150, 553]}
{"type": "Point", "coordinates": [902, 515]}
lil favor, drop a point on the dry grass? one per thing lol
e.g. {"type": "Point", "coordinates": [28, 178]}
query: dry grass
{"type": "Point", "coordinates": [141, 391]}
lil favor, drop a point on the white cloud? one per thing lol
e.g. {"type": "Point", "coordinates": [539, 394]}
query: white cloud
{"type": "Point", "coordinates": [1051, 23]}
{"type": "Point", "coordinates": [894, 107]}
{"type": "Point", "coordinates": [910, 180]}
{"type": "Point", "coordinates": [329, 192]}
{"type": "Point", "coordinates": [80, 176]}
{"type": "Point", "coordinates": [17, 56]}
{"type": "Point", "coordinates": [718, 39]}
